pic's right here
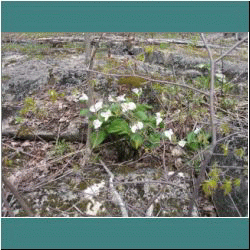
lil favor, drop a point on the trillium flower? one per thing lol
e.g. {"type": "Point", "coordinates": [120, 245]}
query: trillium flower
{"type": "Point", "coordinates": [221, 77]}
{"type": "Point", "coordinates": [168, 133]}
{"type": "Point", "coordinates": [106, 115]}
{"type": "Point", "coordinates": [197, 130]}
{"type": "Point", "coordinates": [128, 106]}
{"type": "Point", "coordinates": [84, 97]}
{"type": "Point", "coordinates": [137, 91]}
{"type": "Point", "coordinates": [121, 98]}
{"type": "Point", "coordinates": [137, 126]}
{"type": "Point", "coordinates": [158, 118]}
{"type": "Point", "coordinates": [182, 143]}
{"type": "Point", "coordinates": [111, 98]}
{"type": "Point", "coordinates": [97, 124]}
{"type": "Point", "coordinates": [96, 107]}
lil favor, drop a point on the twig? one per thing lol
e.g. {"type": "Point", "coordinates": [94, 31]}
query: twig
{"type": "Point", "coordinates": [212, 72]}
{"type": "Point", "coordinates": [152, 80]}
{"type": "Point", "coordinates": [7, 205]}
{"type": "Point", "coordinates": [116, 196]}
{"type": "Point", "coordinates": [17, 195]}
{"type": "Point", "coordinates": [231, 49]}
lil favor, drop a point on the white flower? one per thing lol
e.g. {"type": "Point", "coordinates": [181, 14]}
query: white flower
{"type": "Point", "coordinates": [136, 126]}
{"type": "Point", "coordinates": [158, 118]}
{"type": "Point", "coordinates": [97, 124]}
{"type": "Point", "coordinates": [201, 66]}
{"type": "Point", "coordinates": [84, 97]}
{"type": "Point", "coordinates": [96, 107]}
{"type": "Point", "coordinates": [182, 143]}
{"type": "Point", "coordinates": [197, 130]}
{"type": "Point", "coordinates": [121, 98]}
{"type": "Point", "coordinates": [158, 114]}
{"type": "Point", "coordinates": [137, 91]}
{"type": "Point", "coordinates": [111, 99]}
{"type": "Point", "coordinates": [221, 77]}
{"type": "Point", "coordinates": [168, 133]}
{"type": "Point", "coordinates": [106, 114]}
{"type": "Point", "coordinates": [128, 106]}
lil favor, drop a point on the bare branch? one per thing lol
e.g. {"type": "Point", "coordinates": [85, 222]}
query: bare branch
{"type": "Point", "coordinates": [17, 195]}
{"type": "Point", "coordinates": [153, 80]}
{"type": "Point", "coordinates": [233, 47]}
{"type": "Point", "coordinates": [116, 196]}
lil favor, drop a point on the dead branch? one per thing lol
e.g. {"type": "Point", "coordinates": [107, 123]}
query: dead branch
{"type": "Point", "coordinates": [153, 80]}
{"type": "Point", "coordinates": [116, 196]}
{"type": "Point", "coordinates": [17, 195]}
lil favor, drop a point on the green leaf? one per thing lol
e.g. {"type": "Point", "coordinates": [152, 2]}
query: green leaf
{"type": "Point", "coordinates": [143, 107]}
{"type": "Point", "coordinates": [191, 137]}
{"type": "Point", "coordinates": [193, 145]}
{"type": "Point", "coordinates": [84, 112]}
{"type": "Point", "coordinates": [115, 107]}
{"type": "Point", "coordinates": [119, 127]}
{"type": "Point", "coordinates": [227, 186]}
{"type": "Point", "coordinates": [136, 140]}
{"type": "Point", "coordinates": [237, 182]}
{"type": "Point", "coordinates": [155, 138]}
{"type": "Point", "coordinates": [96, 138]}
{"type": "Point", "coordinates": [141, 115]}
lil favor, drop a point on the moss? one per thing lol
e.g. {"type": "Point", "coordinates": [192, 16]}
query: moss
{"type": "Point", "coordinates": [83, 205]}
{"type": "Point", "coordinates": [82, 185]}
{"type": "Point", "coordinates": [131, 81]}
{"type": "Point", "coordinates": [22, 213]}
{"type": "Point", "coordinates": [124, 169]}
{"type": "Point", "coordinates": [5, 77]}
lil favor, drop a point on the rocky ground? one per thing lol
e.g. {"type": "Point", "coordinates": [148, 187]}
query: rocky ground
{"type": "Point", "coordinates": [43, 135]}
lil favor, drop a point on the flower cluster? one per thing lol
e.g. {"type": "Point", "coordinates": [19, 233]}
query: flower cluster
{"type": "Point", "coordinates": [121, 116]}
{"type": "Point", "coordinates": [137, 126]}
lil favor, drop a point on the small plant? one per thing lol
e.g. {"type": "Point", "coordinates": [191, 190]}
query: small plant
{"type": "Point", "coordinates": [18, 120]}
{"type": "Point", "coordinates": [225, 129]}
{"type": "Point", "coordinates": [53, 95]}
{"type": "Point", "coordinates": [29, 106]}
{"type": "Point", "coordinates": [227, 103]}
{"type": "Point", "coordinates": [140, 57]}
{"type": "Point", "coordinates": [61, 147]}
{"type": "Point", "coordinates": [123, 118]}
{"type": "Point", "coordinates": [149, 49]}
{"type": "Point", "coordinates": [225, 149]}
{"type": "Point", "coordinates": [164, 46]}
{"type": "Point", "coordinates": [212, 184]}
{"type": "Point", "coordinates": [197, 139]}
{"type": "Point", "coordinates": [239, 152]}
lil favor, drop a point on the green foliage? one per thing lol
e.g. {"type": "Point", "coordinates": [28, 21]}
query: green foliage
{"type": "Point", "coordinates": [61, 147]}
{"type": "Point", "coordinates": [227, 186]}
{"type": "Point", "coordinates": [209, 187]}
{"type": "Point", "coordinates": [96, 138]}
{"type": "Point", "coordinates": [53, 95]}
{"type": "Point", "coordinates": [18, 120]}
{"type": "Point", "coordinates": [149, 49]}
{"type": "Point", "coordinates": [228, 103]}
{"type": "Point", "coordinates": [140, 57]}
{"type": "Point", "coordinates": [136, 140]}
{"type": "Point", "coordinates": [7, 162]}
{"type": "Point", "coordinates": [239, 152]}
{"type": "Point", "coordinates": [164, 46]}
{"type": "Point", "coordinates": [118, 126]}
{"type": "Point", "coordinates": [84, 112]}
{"type": "Point", "coordinates": [236, 182]}
{"type": "Point", "coordinates": [132, 81]}
{"type": "Point", "coordinates": [29, 106]}
{"type": "Point", "coordinates": [214, 174]}
{"type": "Point", "coordinates": [225, 149]}
{"type": "Point", "coordinates": [225, 129]}
{"type": "Point", "coordinates": [197, 141]}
